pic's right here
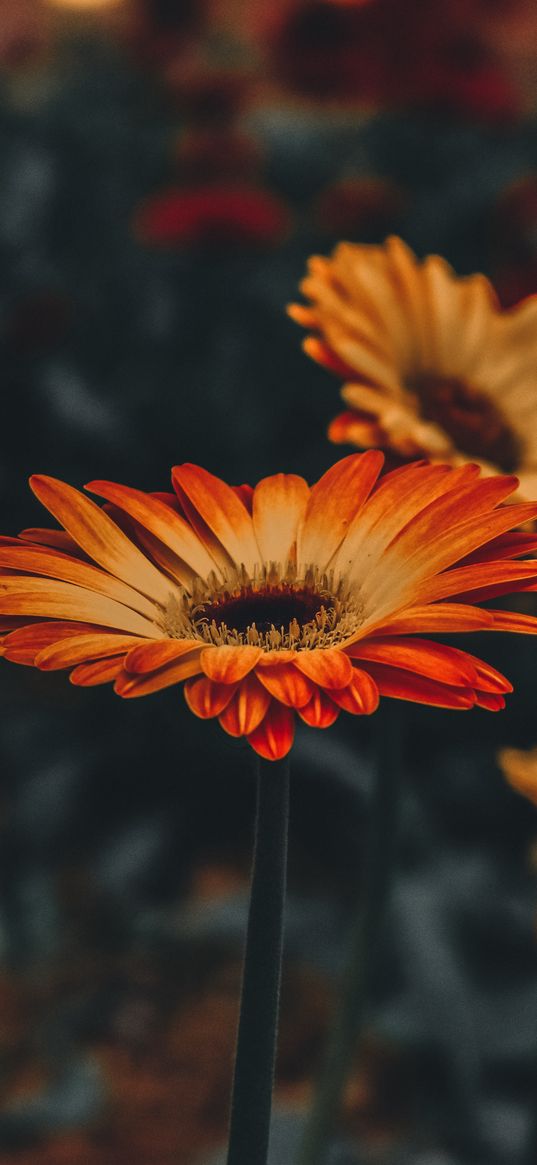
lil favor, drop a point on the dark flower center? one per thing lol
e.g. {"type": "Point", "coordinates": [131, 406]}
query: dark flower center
{"type": "Point", "coordinates": [268, 608]}
{"type": "Point", "coordinates": [472, 420]}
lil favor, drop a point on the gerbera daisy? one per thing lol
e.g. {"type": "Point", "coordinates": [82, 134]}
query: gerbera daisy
{"type": "Point", "coordinates": [274, 601]}
{"type": "Point", "coordinates": [433, 366]}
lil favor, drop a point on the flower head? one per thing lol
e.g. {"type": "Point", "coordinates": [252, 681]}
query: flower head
{"type": "Point", "coordinates": [433, 366]}
{"type": "Point", "coordinates": [276, 600]}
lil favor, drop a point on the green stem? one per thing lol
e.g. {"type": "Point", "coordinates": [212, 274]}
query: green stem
{"type": "Point", "coordinates": [258, 1024]}
{"type": "Point", "coordinates": [363, 945]}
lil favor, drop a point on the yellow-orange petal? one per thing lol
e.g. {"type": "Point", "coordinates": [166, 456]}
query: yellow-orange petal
{"type": "Point", "coordinates": [56, 539]}
{"type": "Point", "coordinates": [99, 536]}
{"type": "Point", "coordinates": [422, 656]}
{"type": "Point", "coordinates": [329, 667]}
{"type": "Point", "coordinates": [278, 509]}
{"type": "Point", "coordinates": [286, 683]}
{"type": "Point", "coordinates": [361, 697]}
{"type": "Point", "coordinates": [100, 671]}
{"type": "Point", "coordinates": [23, 644]}
{"type": "Point", "coordinates": [79, 648]}
{"type": "Point", "coordinates": [228, 665]}
{"type": "Point", "coordinates": [440, 617]}
{"type": "Point", "coordinates": [160, 520]}
{"type": "Point", "coordinates": [476, 580]}
{"type": "Point", "coordinates": [130, 686]}
{"type": "Point", "coordinates": [25, 595]}
{"type": "Point", "coordinates": [247, 708]}
{"type": "Point", "coordinates": [273, 738]}
{"type": "Point", "coordinates": [44, 562]}
{"type": "Point", "coordinates": [334, 501]}
{"type": "Point", "coordinates": [320, 712]}
{"type": "Point", "coordinates": [207, 699]}
{"type": "Point", "coordinates": [221, 510]}
{"type": "Point", "coordinates": [149, 657]}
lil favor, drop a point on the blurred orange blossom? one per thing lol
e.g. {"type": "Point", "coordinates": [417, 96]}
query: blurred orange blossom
{"type": "Point", "coordinates": [433, 366]}
{"type": "Point", "coordinates": [276, 600]}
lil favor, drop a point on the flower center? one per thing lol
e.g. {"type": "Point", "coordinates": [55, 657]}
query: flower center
{"type": "Point", "coordinates": [272, 610]}
{"type": "Point", "coordinates": [472, 420]}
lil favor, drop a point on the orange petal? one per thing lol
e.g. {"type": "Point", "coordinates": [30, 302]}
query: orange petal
{"type": "Point", "coordinates": [247, 708]}
{"type": "Point", "coordinates": [273, 738]}
{"type": "Point", "coordinates": [245, 493]}
{"type": "Point", "coordinates": [287, 684]}
{"type": "Point", "coordinates": [228, 665]}
{"type": "Point", "coordinates": [99, 536]}
{"type": "Point", "coordinates": [22, 645]}
{"type": "Point", "coordinates": [279, 506]}
{"type": "Point", "coordinates": [334, 501]}
{"type": "Point", "coordinates": [44, 561]}
{"type": "Point", "coordinates": [161, 521]}
{"type": "Point", "coordinates": [483, 580]}
{"type": "Point", "coordinates": [442, 617]}
{"type": "Point", "coordinates": [102, 671]}
{"type": "Point", "coordinates": [130, 686]}
{"type": "Point", "coordinates": [221, 510]}
{"type": "Point", "coordinates": [23, 595]}
{"type": "Point", "coordinates": [505, 546]}
{"type": "Point", "coordinates": [207, 699]}
{"type": "Point", "coordinates": [404, 685]}
{"type": "Point", "coordinates": [360, 697]}
{"type": "Point", "coordinates": [324, 355]}
{"type": "Point", "coordinates": [491, 702]}
{"type": "Point", "coordinates": [148, 657]}
{"type": "Point", "coordinates": [80, 648]}
{"type": "Point", "coordinates": [57, 539]}
{"type": "Point", "coordinates": [435, 660]}
{"type": "Point", "coordinates": [320, 712]}
{"type": "Point", "coordinates": [513, 621]}
{"type": "Point", "coordinates": [330, 668]}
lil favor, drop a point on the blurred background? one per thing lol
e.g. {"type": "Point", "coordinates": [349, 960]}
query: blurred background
{"type": "Point", "coordinates": [167, 166]}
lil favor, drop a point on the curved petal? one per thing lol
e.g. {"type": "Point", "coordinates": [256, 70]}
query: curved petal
{"type": "Point", "coordinates": [130, 685]}
{"type": "Point", "coordinates": [100, 671]}
{"type": "Point", "coordinates": [334, 501]}
{"type": "Point", "coordinates": [160, 520]}
{"type": "Point", "coordinates": [23, 595]}
{"type": "Point", "coordinates": [56, 539]}
{"type": "Point", "coordinates": [149, 657]}
{"type": "Point", "coordinates": [405, 685]}
{"type": "Point", "coordinates": [247, 708]}
{"type": "Point", "coordinates": [279, 506]}
{"type": "Point", "coordinates": [329, 667]}
{"type": "Point", "coordinates": [80, 648]}
{"type": "Point", "coordinates": [228, 665]}
{"type": "Point", "coordinates": [440, 617]}
{"type": "Point", "coordinates": [25, 643]}
{"type": "Point", "coordinates": [273, 738]}
{"type": "Point", "coordinates": [99, 536]}
{"type": "Point", "coordinates": [287, 684]}
{"type": "Point", "coordinates": [320, 712]}
{"type": "Point", "coordinates": [207, 699]}
{"type": "Point", "coordinates": [489, 701]}
{"type": "Point", "coordinates": [447, 664]}
{"type": "Point", "coordinates": [360, 697]}
{"type": "Point", "coordinates": [221, 511]}
{"type": "Point", "coordinates": [44, 562]}
{"type": "Point", "coordinates": [513, 621]}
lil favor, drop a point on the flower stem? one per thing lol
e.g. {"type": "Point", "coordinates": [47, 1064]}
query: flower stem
{"type": "Point", "coordinates": [363, 944]}
{"type": "Point", "coordinates": [258, 1024]}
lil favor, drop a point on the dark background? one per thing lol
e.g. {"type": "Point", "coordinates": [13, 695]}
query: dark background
{"type": "Point", "coordinates": [166, 169]}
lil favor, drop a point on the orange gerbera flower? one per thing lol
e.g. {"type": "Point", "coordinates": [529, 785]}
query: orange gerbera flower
{"type": "Point", "coordinates": [434, 367]}
{"type": "Point", "coordinates": [275, 600]}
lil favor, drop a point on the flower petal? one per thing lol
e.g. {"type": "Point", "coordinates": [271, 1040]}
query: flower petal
{"type": "Point", "coordinates": [334, 501]}
{"type": "Point", "coordinates": [22, 645]}
{"type": "Point", "coordinates": [320, 712]}
{"type": "Point", "coordinates": [489, 701]}
{"type": "Point", "coordinates": [57, 539]}
{"type": "Point", "coordinates": [439, 617]}
{"type": "Point", "coordinates": [79, 648]}
{"type": "Point", "coordinates": [447, 664]}
{"type": "Point", "coordinates": [228, 665]}
{"type": "Point", "coordinates": [221, 511]}
{"type": "Point", "coordinates": [329, 667]}
{"type": "Point", "coordinates": [207, 699]}
{"type": "Point", "coordinates": [148, 657]}
{"type": "Point", "coordinates": [286, 683]}
{"type": "Point", "coordinates": [513, 621]}
{"type": "Point", "coordinates": [131, 686]}
{"type": "Point", "coordinates": [360, 697]}
{"type": "Point", "coordinates": [23, 595]}
{"type": "Point", "coordinates": [99, 536]}
{"type": "Point", "coordinates": [100, 671]}
{"type": "Point", "coordinates": [279, 506]}
{"type": "Point", "coordinates": [273, 738]}
{"type": "Point", "coordinates": [162, 522]}
{"type": "Point", "coordinates": [405, 685]}
{"type": "Point", "coordinates": [44, 561]}
{"type": "Point", "coordinates": [247, 708]}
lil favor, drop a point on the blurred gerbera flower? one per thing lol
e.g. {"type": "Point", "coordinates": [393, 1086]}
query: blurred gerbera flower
{"type": "Point", "coordinates": [275, 600]}
{"type": "Point", "coordinates": [433, 366]}
{"type": "Point", "coordinates": [519, 767]}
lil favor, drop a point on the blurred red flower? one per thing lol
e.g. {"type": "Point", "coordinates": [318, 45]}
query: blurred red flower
{"type": "Point", "coordinates": [220, 214]}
